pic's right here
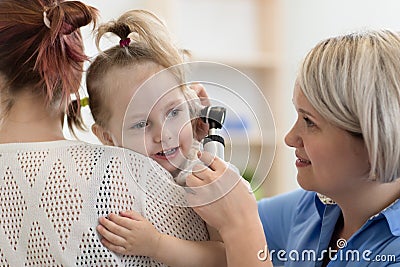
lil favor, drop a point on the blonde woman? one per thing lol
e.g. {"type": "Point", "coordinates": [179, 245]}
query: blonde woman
{"type": "Point", "coordinates": [347, 143]}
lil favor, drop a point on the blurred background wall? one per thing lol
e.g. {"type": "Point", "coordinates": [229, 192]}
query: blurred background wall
{"type": "Point", "coordinates": [266, 40]}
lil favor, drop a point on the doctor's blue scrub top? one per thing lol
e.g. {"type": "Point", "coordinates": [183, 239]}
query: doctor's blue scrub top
{"type": "Point", "coordinates": [298, 227]}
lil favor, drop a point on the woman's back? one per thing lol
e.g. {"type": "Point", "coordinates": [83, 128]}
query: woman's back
{"type": "Point", "coordinates": [52, 194]}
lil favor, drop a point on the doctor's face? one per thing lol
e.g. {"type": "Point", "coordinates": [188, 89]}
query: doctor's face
{"type": "Point", "coordinates": [329, 160]}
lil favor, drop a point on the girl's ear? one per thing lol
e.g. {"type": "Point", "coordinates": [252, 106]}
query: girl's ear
{"type": "Point", "coordinates": [103, 135]}
{"type": "Point", "coordinates": [200, 129]}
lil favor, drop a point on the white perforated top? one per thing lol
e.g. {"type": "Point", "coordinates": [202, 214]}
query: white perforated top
{"type": "Point", "coordinates": [52, 194]}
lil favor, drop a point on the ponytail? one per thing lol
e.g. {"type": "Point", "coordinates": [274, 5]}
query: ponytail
{"type": "Point", "coordinates": [74, 118]}
{"type": "Point", "coordinates": [42, 50]}
{"type": "Point", "coordinates": [144, 29]}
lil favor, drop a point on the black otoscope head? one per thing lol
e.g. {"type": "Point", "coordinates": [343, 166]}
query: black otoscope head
{"type": "Point", "coordinates": [214, 116]}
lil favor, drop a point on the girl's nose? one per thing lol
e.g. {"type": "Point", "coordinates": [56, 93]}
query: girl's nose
{"type": "Point", "coordinates": [162, 134]}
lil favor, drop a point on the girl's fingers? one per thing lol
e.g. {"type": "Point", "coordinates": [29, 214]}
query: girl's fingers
{"type": "Point", "coordinates": [121, 223]}
{"type": "Point", "coordinates": [108, 235]}
{"type": "Point", "coordinates": [113, 247]}
{"type": "Point", "coordinates": [132, 215]}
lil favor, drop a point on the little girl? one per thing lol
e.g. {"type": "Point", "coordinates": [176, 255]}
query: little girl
{"type": "Point", "coordinates": [153, 117]}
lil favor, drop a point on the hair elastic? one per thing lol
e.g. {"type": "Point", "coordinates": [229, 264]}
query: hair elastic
{"type": "Point", "coordinates": [124, 42]}
{"type": "Point", "coordinates": [46, 20]}
{"type": "Point", "coordinates": [84, 102]}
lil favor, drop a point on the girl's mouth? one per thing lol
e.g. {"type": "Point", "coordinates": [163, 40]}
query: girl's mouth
{"type": "Point", "coordinates": [169, 153]}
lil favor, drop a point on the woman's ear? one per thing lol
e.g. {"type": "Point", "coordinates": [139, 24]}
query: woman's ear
{"type": "Point", "coordinates": [103, 135]}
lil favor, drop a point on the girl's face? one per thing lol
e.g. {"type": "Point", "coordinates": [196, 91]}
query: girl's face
{"type": "Point", "coordinates": [157, 122]}
{"type": "Point", "coordinates": [330, 160]}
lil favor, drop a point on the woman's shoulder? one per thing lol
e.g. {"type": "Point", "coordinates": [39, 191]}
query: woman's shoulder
{"type": "Point", "coordinates": [287, 206]}
{"type": "Point", "coordinates": [85, 158]}
{"type": "Point", "coordinates": [288, 198]}
{"type": "Point", "coordinates": [84, 146]}
{"type": "Point", "coordinates": [114, 158]}
{"type": "Point", "coordinates": [83, 151]}
{"type": "Point", "coordinates": [60, 146]}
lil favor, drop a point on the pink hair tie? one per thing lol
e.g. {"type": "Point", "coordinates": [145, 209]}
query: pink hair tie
{"type": "Point", "coordinates": [125, 42]}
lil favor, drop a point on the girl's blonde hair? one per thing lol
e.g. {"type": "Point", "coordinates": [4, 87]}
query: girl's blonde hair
{"type": "Point", "coordinates": [353, 81]}
{"type": "Point", "coordinates": [146, 39]}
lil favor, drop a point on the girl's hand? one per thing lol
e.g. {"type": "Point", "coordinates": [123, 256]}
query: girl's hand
{"type": "Point", "coordinates": [129, 233]}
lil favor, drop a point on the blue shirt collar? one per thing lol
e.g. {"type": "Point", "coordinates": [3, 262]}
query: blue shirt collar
{"type": "Point", "coordinates": [391, 213]}
{"type": "Point", "coordinates": [321, 202]}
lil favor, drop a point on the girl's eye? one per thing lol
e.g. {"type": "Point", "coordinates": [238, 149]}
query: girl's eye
{"type": "Point", "coordinates": [173, 113]}
{"type": "Point", "coordinates": [309, 122]}
{"type": "Point", "coordinates": [139, 125]}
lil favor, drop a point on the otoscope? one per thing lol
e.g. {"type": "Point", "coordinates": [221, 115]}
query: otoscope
{"type": "Point", "coordinates": [214, 142]}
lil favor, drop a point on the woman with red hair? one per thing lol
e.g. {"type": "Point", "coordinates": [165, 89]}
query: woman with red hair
{"type": "Point", "coordinates": [52, 190]}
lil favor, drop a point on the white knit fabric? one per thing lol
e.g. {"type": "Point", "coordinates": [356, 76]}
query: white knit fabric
{"type": "Point", "coordinates": [52, 194]}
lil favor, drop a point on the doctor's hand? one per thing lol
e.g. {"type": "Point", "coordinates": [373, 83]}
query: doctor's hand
{"type": "Point", "coordinates": [221, 196]}
{"type": "Point", "coordinates": [232, 210]}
